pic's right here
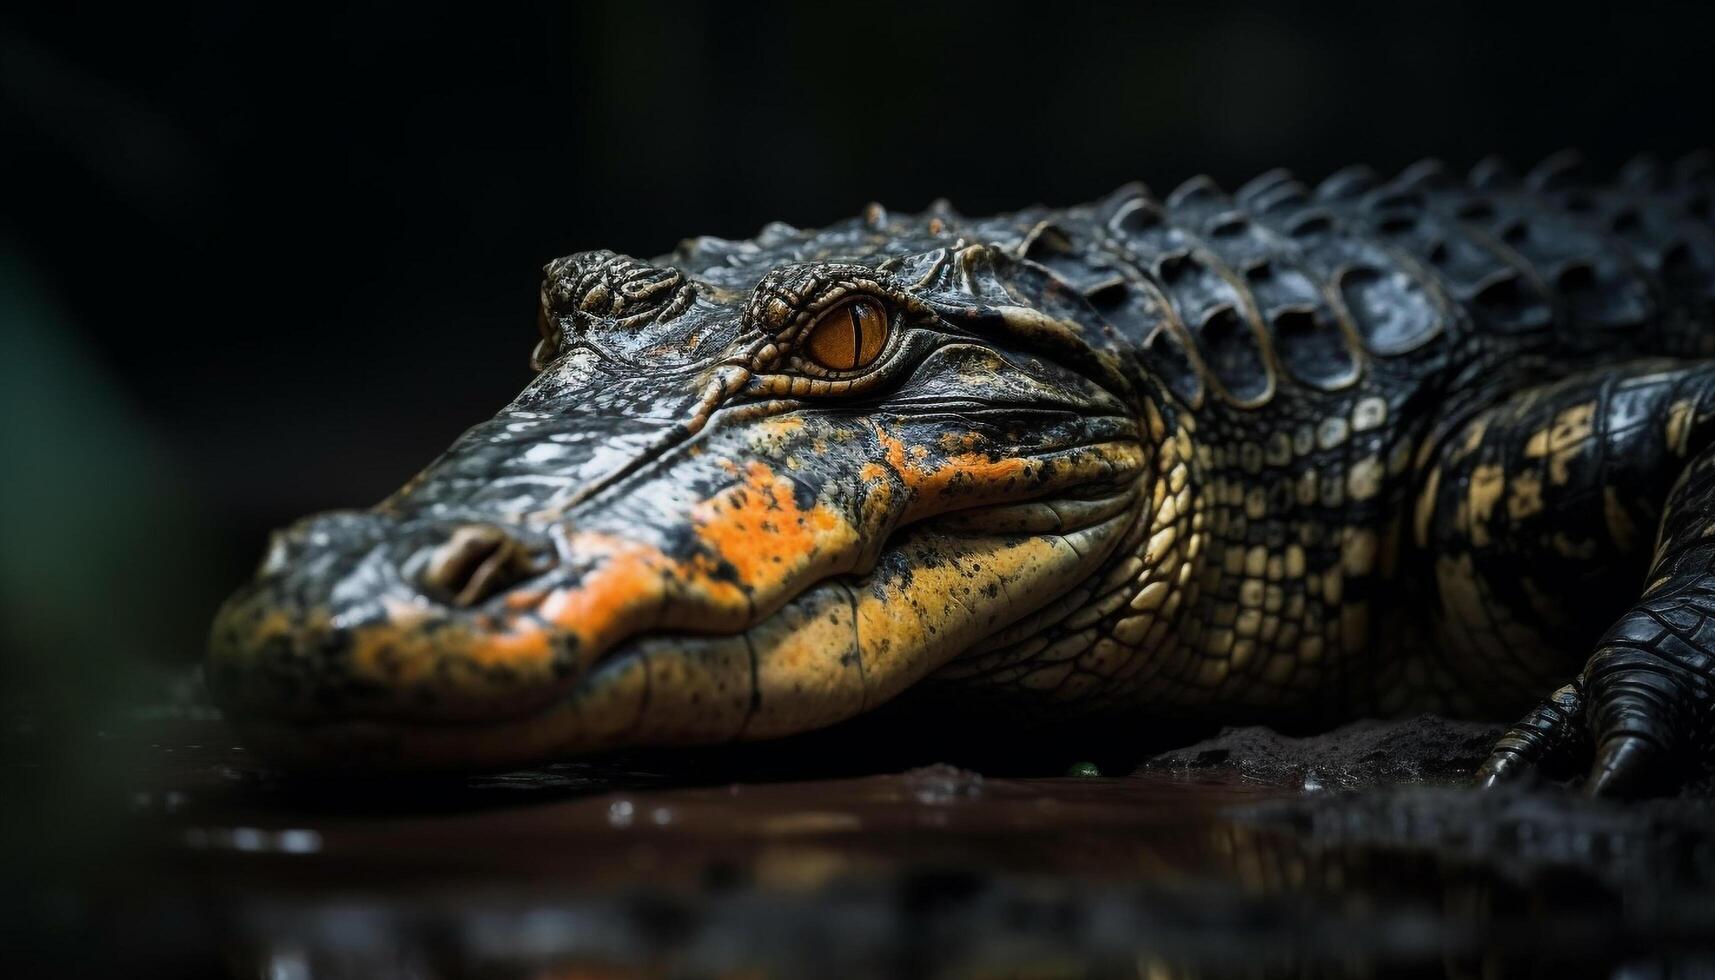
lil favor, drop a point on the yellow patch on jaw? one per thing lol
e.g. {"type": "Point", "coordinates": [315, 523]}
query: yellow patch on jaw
{"type": "Point", "coordinates": [703, 696]}
{"type": "Point", "coordinates": [809, 669]}
{"type": "Point", "coordinates": [457, 662]}
{"type": "Point", "coordinates": [909, 624]}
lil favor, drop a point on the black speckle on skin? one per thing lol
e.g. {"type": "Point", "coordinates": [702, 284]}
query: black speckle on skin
{"type": "Point", "coordinates": [722, 570]}
{"type": "Point", "coordinates": [804, 494]}
{"type": "Point", "coordinates": [680, 539]}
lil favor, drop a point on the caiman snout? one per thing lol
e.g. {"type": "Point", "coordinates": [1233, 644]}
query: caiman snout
{"type": "Point", "coordinates": [719, 512]}
{"type": "Point", "coordinates": [351, 610]}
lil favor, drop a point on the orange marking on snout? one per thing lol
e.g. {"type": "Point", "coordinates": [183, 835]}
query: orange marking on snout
{"type": "Point", "coordinates": [755, 542]}
{"type": "Point", "coordinates": [987, 477]}
{"type": "Point", "coordinates": [529, 644]}
{"type": "Point", "coordinates": [525, 599]}
{"type": "Point", "coordinates": [401, 656]}
{"type": "Point", "coordinates": [976, 478]}
{"type": "Point", "coordinates": [758, 528]}
{"type": "Point", "coordinates": [598, 609]}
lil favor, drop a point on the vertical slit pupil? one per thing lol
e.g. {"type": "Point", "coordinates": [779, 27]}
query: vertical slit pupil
{"type": "Point", "coordinates": [856, 311]}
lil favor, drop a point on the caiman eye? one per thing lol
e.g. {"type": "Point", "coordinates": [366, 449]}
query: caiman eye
{"type": "Point", "coordinates": [849, 336]}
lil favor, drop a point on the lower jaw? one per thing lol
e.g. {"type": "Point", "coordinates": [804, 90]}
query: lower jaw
{"type": "Point", "coordinates": [390, 746]}
{"type": "Point", "coordinates": [394, 745]}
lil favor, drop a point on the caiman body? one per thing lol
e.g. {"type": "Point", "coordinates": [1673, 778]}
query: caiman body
{"type": "Point", "coordinates": [1288, 453]}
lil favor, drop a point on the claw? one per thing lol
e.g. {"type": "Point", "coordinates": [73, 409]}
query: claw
{"type": "Point", "coordinates": [1626, 766]}
{"type": "Point", "coordinates": [1552, 736]}
{"type": "Point", "coordinates": [1640, 700]}
{"type": "Point", "coordinates": [1502, 766]}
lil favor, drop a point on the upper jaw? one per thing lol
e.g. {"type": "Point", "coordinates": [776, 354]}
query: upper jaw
{"type": "Point", "coordinates": [419, 614]}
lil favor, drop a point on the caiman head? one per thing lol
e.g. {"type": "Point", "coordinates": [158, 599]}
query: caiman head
{"type": "Point", "coordinates": [734, 503]}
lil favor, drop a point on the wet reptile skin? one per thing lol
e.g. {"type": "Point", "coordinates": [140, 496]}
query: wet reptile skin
{"type": "Point", "coordinates": [1287, 453]}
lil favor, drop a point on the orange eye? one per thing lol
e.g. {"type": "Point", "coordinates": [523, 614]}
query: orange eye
{"type": "Point", "coordinates": [849, 336]}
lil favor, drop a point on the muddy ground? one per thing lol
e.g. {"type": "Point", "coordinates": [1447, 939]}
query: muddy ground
{"type": "Point", "coordinates": [1354, 853]}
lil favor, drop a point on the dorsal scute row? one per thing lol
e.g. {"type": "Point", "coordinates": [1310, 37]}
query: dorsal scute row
{"type": "Point", "coordinates": [1281, 284]}
{"type": "Point", "coordinates": [1266, 288]}
{"type": "Point", "coordinates": [1553, 259]}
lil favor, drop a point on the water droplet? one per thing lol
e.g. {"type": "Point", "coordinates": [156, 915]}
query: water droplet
{"type": "Point", "coordinates": [298, 841]}
{"type": "Point", "coordinates": [619, 813]}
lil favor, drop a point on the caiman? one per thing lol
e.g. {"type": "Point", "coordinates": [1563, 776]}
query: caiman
{"type": "Point", "coordinates": [1292, 454]}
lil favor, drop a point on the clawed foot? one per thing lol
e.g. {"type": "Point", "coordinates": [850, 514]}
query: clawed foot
{"type": "Point", "coordinates": [1637, 722]}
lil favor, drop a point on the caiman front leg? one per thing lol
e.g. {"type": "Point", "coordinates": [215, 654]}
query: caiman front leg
{"type": "Point", "coordinates": [1645, 701]}
{"type": "Point", "coordinates": [1539, 515]}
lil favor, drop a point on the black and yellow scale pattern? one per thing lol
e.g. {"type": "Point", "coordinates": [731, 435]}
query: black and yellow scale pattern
{"type": "Point", "coordinates": [1433, 424]}
{"type": "Point", "coordinates": [1426, 442]}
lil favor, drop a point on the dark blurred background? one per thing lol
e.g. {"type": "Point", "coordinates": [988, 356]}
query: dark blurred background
{"type": "Point", "coordinates": [256, 264]}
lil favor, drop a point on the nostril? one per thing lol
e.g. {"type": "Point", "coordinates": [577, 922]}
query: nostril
{"type": "Point", "coordinates": [476, 562]}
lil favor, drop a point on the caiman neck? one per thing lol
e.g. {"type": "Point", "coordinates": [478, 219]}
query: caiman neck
{"type": "Point", "coordinates": [1115, 634]}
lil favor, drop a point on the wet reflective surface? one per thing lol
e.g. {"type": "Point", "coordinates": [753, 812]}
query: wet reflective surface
{"type": "Point", "coordinates": [1199, 865]}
